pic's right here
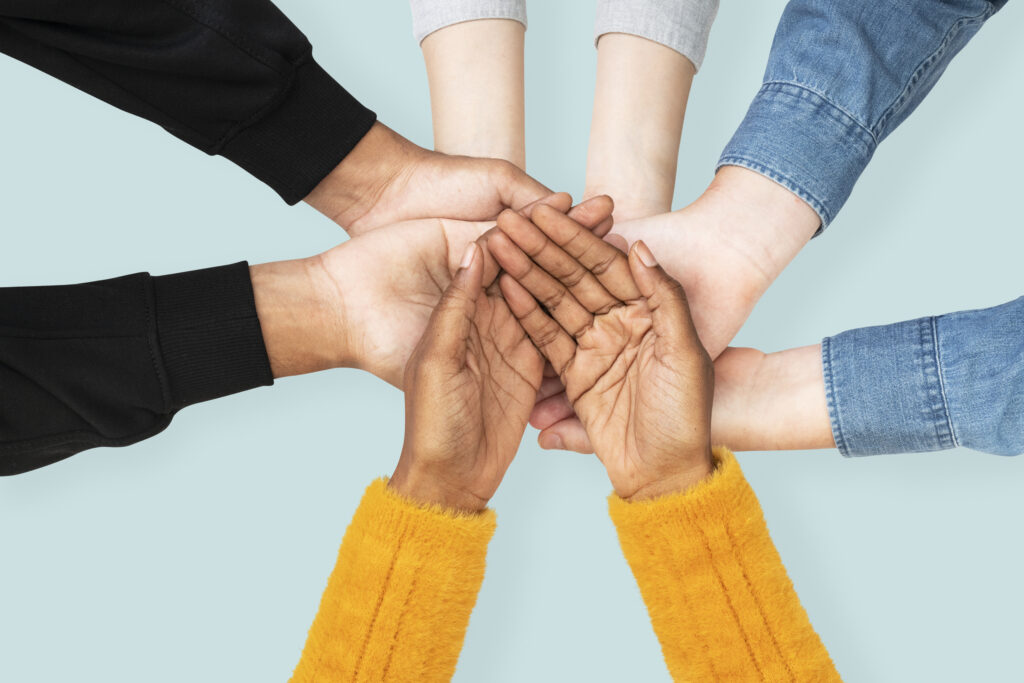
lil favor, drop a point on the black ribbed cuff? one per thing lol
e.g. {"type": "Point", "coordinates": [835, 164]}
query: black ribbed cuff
{"type": "Point", "coordinates": [208, 334]}
{"type": "Point", "coordinates": [296, 144]}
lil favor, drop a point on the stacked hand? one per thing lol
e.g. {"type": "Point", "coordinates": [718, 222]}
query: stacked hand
{"type": "Point", "coordinates": [386, 179]}
{"type": "Point", "coordinates": [620, 338]}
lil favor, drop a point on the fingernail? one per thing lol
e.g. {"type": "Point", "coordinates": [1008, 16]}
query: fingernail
{"type": "Point", "coordinates": [552, 442]}
{"type": "Point", "coordinates": [645, 254]}
{"type": "Point", "coordinates": [467, 258]}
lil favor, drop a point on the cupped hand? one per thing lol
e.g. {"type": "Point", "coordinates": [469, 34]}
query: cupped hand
{"type": "Point", "coordinates": [387, 179]}
{"type": "Point", "coordinates": [384, 285]}
{"type": "Point", "coordinates": [619, 334]}
{"type": "Point", "coordinates": [469, 388]}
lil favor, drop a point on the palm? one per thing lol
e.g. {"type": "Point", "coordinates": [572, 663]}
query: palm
{"type": "Point", "coordinates": [629, 395]}
{"type": "Point", "coordinates": [395, 277]}
{"type": "Point", "coordinates": [489, 397]}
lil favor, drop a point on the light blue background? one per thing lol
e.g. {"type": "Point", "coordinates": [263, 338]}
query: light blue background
{"type": "Point", "coordinates": [200, 555]}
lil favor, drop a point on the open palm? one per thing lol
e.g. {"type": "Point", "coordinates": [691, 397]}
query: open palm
{"type": "Point", "coordinates": [385, 284]}
{"type": "Point", "coordinates": [470, 386]}
{"type": "Point", "coordinates": [618, 333]}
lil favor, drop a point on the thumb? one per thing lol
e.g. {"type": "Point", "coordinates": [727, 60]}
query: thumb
{"type": "Point", "coordinates": [670, 312]}
{"type": "Point", "coordinates": [450, 323]}
{"type": "Point", "coordinates": [515, 188]}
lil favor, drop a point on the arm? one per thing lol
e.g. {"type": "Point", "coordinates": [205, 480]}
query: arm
{"type": "Point", "coordinates": [928, 384]}
{"type": "Point", "coordinates": [647, 55]}
{"type": "Point", "coordinates": [397, 605]}
{"type": "Point", "coordinates": [399, 599]}
{"type": "Point", "coordinates": [718, 595]}
{"type": "Point", "coordinates": [623, 342]}
{"type": "Point", "coordinates": [473, 51]}
{"type": "Point", "coordinates": [841, 76]}
{"type": "Point", "coordinates": [110, 363]}
{"type": "Point", "coordinates": [237, 78]}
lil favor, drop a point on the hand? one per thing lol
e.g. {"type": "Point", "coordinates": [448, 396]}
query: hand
{"type": "Point", "coordinates": [366, 302]}
{"type": "Point", "coordinates": [619, 334]}
{"type": "Point", "coordinates": [726, 248]}
{"type": "Point", "coordinates": [386, 179]}
{"type": "Point", "coordinates": [469, 388]}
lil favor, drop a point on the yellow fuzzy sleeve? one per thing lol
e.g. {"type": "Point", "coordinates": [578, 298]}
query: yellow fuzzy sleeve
{"type": "Point", "coordinates": [718, 596]}
{"type": "Point", "coordinates": [398, 602]}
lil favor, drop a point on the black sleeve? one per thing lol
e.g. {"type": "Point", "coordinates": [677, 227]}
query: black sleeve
{"type": "Point", "coordinates": [231, 77]}
{"type": "Point", "coordinates": [109, 363]}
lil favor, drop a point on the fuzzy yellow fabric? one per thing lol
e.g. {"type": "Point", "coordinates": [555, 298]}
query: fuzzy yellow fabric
{"type": "Point", "coordinates": [398, 602]}
{"type": "Point", "coordinates": [719, 598]}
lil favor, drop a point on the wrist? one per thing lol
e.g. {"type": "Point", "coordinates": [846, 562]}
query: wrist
{"type": "Point", "coordinates": [753, 212]}
{"type": "Point", "coordinates": [352, 189]}
{"type": "Point", "coordinates": [427, 489]}
{"type": "Point", "coordinates": [303, 330]}
{"type": "Point", "coordinates": [675, 482]}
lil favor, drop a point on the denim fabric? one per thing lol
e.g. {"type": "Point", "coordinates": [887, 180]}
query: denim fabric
{"type": "Point", "coordinates": [841, 76]}
{"type": "Point", "coordinates": [929, 384]}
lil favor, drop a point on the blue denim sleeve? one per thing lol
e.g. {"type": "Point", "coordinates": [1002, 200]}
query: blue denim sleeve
{"type": "Point", "coordinates": [841, 76]}
{"type": "Point", "coordinates": [929, 384]}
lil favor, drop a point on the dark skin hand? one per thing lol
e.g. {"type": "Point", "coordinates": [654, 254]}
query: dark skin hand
{"type": "Point", "coordinates": [469, 388]}
{"type": "Point", "coordinates": [618, 332]}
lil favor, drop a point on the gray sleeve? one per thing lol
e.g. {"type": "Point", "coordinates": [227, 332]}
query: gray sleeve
{"type": "Point", "coordinates": [431, 15]}
{"type": "Point", "coordinates": [682, 25]}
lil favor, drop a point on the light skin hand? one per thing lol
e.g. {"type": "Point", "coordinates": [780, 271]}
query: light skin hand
{"type": "Point", "coordinates": [469, 388]}
{"type": "Point", "coordinates": [386, 179]}
{"type": "Point", "coordinates": [366, 302]}
{"type": "Point", "coordinates": [618, 333]}
{"type": "Point", "coordinates": [726, 249]}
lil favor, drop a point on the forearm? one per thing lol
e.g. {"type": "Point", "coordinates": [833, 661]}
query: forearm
{"type": "Point", "coordinates": [269, 107]}
{"type": "Point", "coordinates": [475, 71]}
{"type": "Point", "coordinates": [399, 599]}
{"type": "Point", "coordinates": [109, 363]}
{"type": "Point", "coordinates": [772, 401]}
{"type": "Point", "coordinates": [717, 593]}
{"type": "Point", "coordinates": [639, 102]}
{"type": "Point", "coordinates": [830, 97]}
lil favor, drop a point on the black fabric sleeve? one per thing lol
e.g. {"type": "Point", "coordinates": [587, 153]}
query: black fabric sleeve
{"type": "Point", "coordinates": [109, 363]}
{"type": "Point", "coordinates": [231, 77]}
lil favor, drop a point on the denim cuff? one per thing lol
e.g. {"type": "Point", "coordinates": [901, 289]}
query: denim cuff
{"type": "Point", "coordinates": [683, 25]}
{"type": "Point", "coordinates": [884, 389]}
{"type": "Point", "coordinates": [804, 142]}
{"type": "Point", "coordinates": [433, 15]}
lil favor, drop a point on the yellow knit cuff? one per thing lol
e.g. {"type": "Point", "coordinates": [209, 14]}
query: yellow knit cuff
{"type": "Point", "coordinates": [718, 595]}
{"type": "Point", "coordinates": [398, 602]}
{"type": "Point", "coordinates": [705, 497]}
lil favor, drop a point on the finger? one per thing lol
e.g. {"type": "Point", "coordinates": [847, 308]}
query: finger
{"type": "Point", "coordinates": [595, 214]}
{"type": "Point", "coordinates": [567, 435]}
{"type": "Point", "coordinates": [452, 319]}
{"type": "Point", "coordinates": [515, 188]}
{"type": "Point", "coordinates": [549, 386]}
{"type": "Point", "coordinates": [548, 336]}
{"type": "Point", "coordinates": [551, 293]}
{"type": "Point", "coordinates": [618, 241]}
{"type": "Point", "coordinates": [670, 313]}
{"type": "Point", "coordinates": [553, 409]}
{"type": "Point", "coordinates": [559, 201]}
{"type": "Point", "coordinates": [549, 371]}
{"type": "Point", "coordinates": [550, 257]}
{"type": "Point", "coordinates": [607, 263]}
